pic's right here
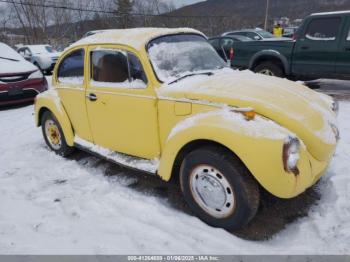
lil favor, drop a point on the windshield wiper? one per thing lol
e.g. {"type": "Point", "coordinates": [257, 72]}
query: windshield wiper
{"type": "Point", "coordinates": [11, 59]}
{"type": "Point", "coordinates": [188, 75]}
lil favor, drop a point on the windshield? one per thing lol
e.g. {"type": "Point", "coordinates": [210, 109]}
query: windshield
{"type": "Point", "coordinates": [7, 52]}
{"type": "Point", "coordinates": [175, 56]}
{"type": "Point", "coordinates": [266, 34]}
{"type": "Point", "coordinates": [39, 49]}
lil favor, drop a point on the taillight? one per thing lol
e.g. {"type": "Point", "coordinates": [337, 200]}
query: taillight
{"type": "Point", "coordinates": [232, 54]}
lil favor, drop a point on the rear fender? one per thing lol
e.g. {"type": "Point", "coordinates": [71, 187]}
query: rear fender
{"type": "Point", "coordinates": [50, 101]}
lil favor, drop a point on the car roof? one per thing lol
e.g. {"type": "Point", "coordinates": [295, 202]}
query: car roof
{"type": "Point", "coordinates": [135, 37]}
{"type": "Point", "coordinates": [33, 45]}
{"type": "Point", "coordinates": [331, 13]}
{"type": "Point", "coordinates": [233, 37]}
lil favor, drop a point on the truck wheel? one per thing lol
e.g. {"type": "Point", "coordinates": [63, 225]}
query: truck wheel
{"type": "Point", "coordinates": [218, 188]}
{"type": "Point", "coordinates": [54, 136]}
{"type": "Point", "coordinates": [270, 69]}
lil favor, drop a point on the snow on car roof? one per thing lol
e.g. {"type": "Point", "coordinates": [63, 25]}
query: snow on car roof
{"type": "Point", "coordinates": [135, 37]}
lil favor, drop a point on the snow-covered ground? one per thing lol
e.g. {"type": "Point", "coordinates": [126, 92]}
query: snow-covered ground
{"type": "Point", "coordinates": [52, 205]}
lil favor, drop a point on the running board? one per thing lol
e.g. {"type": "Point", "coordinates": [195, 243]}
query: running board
{"type": "Point", "coordinates": [132, 162]}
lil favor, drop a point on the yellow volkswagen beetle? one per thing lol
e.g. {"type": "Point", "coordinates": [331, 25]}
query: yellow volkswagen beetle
{"type": "Point", "coordinates": [163, 101]}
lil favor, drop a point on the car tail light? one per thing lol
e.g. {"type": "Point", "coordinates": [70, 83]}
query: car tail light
{"type": "Point", "coordinates": [232, 54]}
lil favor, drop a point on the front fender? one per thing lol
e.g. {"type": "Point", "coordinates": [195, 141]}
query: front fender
{"type": "Point", "coordinates": [270, 53]}
{"type": "Point", "coordinates": [50, 100]}
{"type": "Point", "coordinates": [258, 143]}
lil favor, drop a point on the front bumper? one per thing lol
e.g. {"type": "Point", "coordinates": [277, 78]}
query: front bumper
{"type": "Point", "coordinates": [26, 91]}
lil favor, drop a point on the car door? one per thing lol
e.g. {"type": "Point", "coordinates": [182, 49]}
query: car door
{"type": "Point", "coordinates": [343, 55]}
{"type": "Point", "coordinates": [121, 105]}
{"type": "Point", "coordinates": [316, 49]}
{"type": "Point", "coordinates": [70, 82]}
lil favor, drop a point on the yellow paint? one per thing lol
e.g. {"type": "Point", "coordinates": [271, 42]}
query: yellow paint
{"type": "Point", "coordinates": [137, 122]}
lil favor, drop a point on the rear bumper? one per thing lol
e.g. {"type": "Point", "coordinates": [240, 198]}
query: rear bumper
{"type": "Point", "coordinates": [26, 91]}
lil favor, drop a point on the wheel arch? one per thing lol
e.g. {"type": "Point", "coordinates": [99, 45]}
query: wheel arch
{"type": "Point", "coordinates": [270, 56]}
{"type": "Point", "coordinates": [47, 105]}
{"type": "Point", "coordinates": [194, 145]}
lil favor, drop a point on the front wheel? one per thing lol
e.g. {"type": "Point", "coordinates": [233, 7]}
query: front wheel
{"type": "Point", "coordinates": [54, 136]}
{"type": "Point", "coordinates": [218, 188]}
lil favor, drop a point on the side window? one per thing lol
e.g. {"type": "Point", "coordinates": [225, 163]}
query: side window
{"type": "Point", "coordinates": [27, 52]}
{"type": "Point", "coordinates": [323, 29]}
{"type": "Point", "coordinates": [253, 36]}
{"type": "Point", "coordinates": [226, 43]}
{"type": "Point", "coordinates": [71, 69]}
{"type": "Point", "coordinates": [137, 74]}
{"type": "Point", "coordinates": [116, 68]}
{"type": "Point", "coordinates": [215, 43]}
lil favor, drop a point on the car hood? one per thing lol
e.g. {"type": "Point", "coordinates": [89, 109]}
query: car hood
{"type": "Point", "coordinates": [301, 110]}
{"type": "Point", "coordinates": [10, 67]}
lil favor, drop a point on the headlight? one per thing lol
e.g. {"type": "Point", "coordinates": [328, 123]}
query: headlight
{"type": "Point", "coordinates": [291, 155]}
{"type": "Point", "coordinates": [335, 107]}
{"type": "Point", "coordinates": [36, 74]}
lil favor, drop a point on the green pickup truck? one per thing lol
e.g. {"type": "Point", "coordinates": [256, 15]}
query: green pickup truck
{"type": "Point", "coordinates": [320, 49]}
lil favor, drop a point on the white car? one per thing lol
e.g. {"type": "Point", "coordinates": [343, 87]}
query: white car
{"type": "Point", "coordinates": [43, 56]}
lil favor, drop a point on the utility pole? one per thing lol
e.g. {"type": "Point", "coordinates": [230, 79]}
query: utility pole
{"type": "Point", "coordinates": [267, 14]}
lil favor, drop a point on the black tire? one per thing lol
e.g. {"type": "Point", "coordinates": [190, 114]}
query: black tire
{"type": "Point", "coordinates": [62, 148]}
{"type": "Point", "coordinates": [271, 67]}
{"type": "Point", "coordinates": [245, 188]}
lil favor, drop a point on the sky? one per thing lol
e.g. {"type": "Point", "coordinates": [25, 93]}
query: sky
{"type": "Point", "coordinates": [180, 3]}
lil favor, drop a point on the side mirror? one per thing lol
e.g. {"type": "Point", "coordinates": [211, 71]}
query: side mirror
{"type": "Point", "coordinates": [257, 37]}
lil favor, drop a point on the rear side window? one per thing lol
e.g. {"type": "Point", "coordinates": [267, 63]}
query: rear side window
{"type": "Point", "coordinates": [71, 69]}
{"type": "Point", "coordinates": [226, 43]}
{"type": "Point", "coordinates": [215, 43]}
{"type": "Point", "coordinates": [116, 68]}
{"type": "Point", "coordinates": [323, 29]}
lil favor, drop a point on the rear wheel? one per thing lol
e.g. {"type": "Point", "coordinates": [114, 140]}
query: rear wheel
{"type": "Point", "coordinates": [54, 136]}
{"type": "Point", "coordinates": [218, 188]}
{"type": "Point", "coordinates": [270, 69]}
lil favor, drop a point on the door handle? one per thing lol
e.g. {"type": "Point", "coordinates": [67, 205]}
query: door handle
{"type": "Point", "coordinates": [92, 97]}
{"type": "Point", "coordinates": [304, 47]}
{"type": "Point", "coordinates": [347, 48]}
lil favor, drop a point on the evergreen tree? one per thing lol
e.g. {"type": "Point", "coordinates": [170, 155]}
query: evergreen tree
{"type": "Point", "coordinates": [123, 10]}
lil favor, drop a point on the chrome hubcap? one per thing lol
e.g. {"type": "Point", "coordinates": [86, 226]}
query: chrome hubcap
{"type": "Point", "coordinates": [267, 72]}
{"type": "Point", "coordinates": [53, 134]}
{"type": "Point", "coordinates": [212, 192]}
